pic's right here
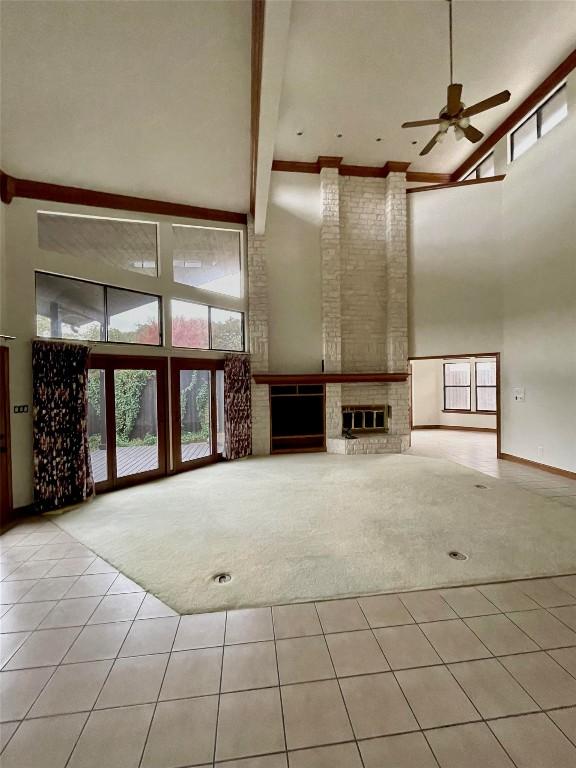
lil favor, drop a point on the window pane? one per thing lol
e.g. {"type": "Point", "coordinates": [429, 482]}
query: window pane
{"type": "Point", "coordinates": [524, 137]}
{"type": "Point", "coordinates": [486, 399]}
{"type": "Point", "coordinates": [486, 374]}
{"type": "Point", "coordinates": [220, 411]}
{"type": "Point", "coordinates": [486, 167]}
{"type": "Point", "coordinates": [226, 329]}
{"type": "Point", "coordinates": [457, 398]}
{"type": "Point", "coordinates": [69, 309]}
{"type": "Point", "coordinates": [133, 317]}
{"type": "Point", "coordinates": [130, 245]}
{"type": "Point", "coordinates": [189, 325]}
{"type": "Point", "coordinates": [554, 111]}
{"type": "Point", "coordinates": [457, 374]}
{"type": "Point", "coordinates": [208, 259]}
{"type": "Point", "coordinates": [195, 437]}
{"type": "Point", "coordinates": [97, 425]}
{"type": "Point", "coordinates": [135, 402]}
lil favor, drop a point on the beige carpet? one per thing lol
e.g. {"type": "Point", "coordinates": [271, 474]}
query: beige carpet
{"type": "Point", "coordinates": [295, 528]}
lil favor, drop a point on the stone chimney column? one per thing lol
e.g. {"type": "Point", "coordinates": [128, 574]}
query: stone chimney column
{"type": "Point", "coordinates": [258, 336]}
{"type": "Point", "coordinates": [331, 301]}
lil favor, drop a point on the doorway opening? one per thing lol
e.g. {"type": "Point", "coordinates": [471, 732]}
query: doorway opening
{"type": "Point", "coordinates": [455, 405]}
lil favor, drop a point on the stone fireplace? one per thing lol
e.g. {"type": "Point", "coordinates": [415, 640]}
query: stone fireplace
{"type": "Point", "coordinates": [363, 263]}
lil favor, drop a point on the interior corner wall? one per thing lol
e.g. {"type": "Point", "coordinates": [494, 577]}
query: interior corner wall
{"type": "Point", "coordinates": [493, 269]}
{"type": "Point", "coordinates": [539, 298]}
{"type": "Point", "coordinates": [294, 273]}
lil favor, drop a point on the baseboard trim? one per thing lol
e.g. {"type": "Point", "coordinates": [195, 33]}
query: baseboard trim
{"type": "Point", "coordinates": [456, 429]}
{"type": "Point", "coordinates": [538, 465]}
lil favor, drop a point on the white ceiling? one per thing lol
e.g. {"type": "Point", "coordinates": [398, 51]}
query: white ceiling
{"type": "Point", "coordinates": [362, 68]}
{"type": "Point", "coordinates": [152, 97]}
{"type": "Point", "coordinates": [144, 98]}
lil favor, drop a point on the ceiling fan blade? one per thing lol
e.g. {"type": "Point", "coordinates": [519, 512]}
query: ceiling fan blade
{"type": "Point", "coordinates": [472, 134]}
{"type": "Point", "coordinates": [453, 98]}
{"type": "Point", "coordinates": [416, 123]}
{"type": "Point", "coordinates": [430, 144]}
{"type": "Point", "coordinates": [482, 106]}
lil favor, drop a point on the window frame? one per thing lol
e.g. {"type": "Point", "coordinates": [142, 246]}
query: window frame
{"type": "Point", "coordinates": [210, 307]}
{"type": "Point", "coordinates": [484, 386]}
{"type": "Point", "coordinates": [473, 174]}
{"type": "Point", "coordinates": [538, 113]}
{"type": "Point", "coordinates": [105, 287]}
{"type": "Point", "coordinates": [456, 386]}
{"type": "Point", "coordinates": [156, 224]}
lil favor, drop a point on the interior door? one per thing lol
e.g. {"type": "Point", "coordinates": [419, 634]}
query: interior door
{"type": "Point", "coordinates": [197, 412]}
{"type": "Point", "coordinates": [127, 419]}
{"type": "Point", "coordinates": [5, 464]}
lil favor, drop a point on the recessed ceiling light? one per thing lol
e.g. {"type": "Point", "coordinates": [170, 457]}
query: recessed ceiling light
{"type": "Point", "coordinates": [299, 133]}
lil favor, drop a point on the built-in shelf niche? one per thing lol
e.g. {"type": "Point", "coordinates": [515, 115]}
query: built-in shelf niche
{"type": "Point", "coordinates": [297, 421]}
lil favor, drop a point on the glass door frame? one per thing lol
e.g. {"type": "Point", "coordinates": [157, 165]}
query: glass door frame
{"type": "Point", "coordinates": [109, 364]}
{"type": "Point", "coordinates": [178, 364]}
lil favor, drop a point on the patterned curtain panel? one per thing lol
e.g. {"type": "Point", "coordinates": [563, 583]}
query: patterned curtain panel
{"type": "Point", "coordinates": [62, 471]}
{"type": "Point", "coordinates": [237, 407]}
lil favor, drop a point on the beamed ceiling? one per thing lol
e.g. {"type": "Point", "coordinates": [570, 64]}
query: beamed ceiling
{"type": "Point", "coordinates": [152, 98]}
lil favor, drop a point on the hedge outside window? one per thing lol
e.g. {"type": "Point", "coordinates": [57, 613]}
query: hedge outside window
{"type": "Point", "coordinates": [76, 309]}
{"type": "Point", "coordinates": [197, 326]}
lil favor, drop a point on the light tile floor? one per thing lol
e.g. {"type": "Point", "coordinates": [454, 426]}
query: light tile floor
{"type": "Point", "coordinates": [478, 451]}
{"type": "Point", "coordinates": [96, 672]}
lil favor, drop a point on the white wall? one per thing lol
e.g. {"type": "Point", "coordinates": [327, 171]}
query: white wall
{"type": "Point", "coordinates": [23, 257]}
{"type": "Point", "coordinates": [539, 298]}
{"type": "Point", "coordinates": [428, 400]}
{"type": "Point", "coordinates": [454, 271]}
{"type": "Point", "coordinates": [294, 275]}
{"type": "Point", "coordinates": [493, 268]}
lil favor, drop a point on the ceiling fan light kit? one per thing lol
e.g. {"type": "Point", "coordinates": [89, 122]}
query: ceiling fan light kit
{"type": "Point", "coordinates": [456, 114]}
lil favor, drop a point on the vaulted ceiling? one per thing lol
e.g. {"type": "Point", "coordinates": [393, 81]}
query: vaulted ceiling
{"type": "Point", "coordinates": [152, 98]}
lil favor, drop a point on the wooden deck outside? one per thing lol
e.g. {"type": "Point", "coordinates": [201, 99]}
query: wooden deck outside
{"type": "Point", "coordinates": [140, 458]}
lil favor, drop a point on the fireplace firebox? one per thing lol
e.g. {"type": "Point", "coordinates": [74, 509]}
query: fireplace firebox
{"type": "Point", "coordinates": [365, 419]}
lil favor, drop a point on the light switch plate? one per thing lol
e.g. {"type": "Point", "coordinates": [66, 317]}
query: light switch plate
{"type": "Point", "coordinates": [518, 394]}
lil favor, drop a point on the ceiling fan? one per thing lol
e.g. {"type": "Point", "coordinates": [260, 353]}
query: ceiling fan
{"type": "Point", "coordinates": [456, 114]}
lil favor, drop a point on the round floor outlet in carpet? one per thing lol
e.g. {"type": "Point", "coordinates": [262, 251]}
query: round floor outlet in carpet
{"type": "Point", "coordinates": [222, 578]}
{"type": "Point", "coordinates": [457, 555]}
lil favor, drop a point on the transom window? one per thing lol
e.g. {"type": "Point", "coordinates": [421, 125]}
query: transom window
{"type": "Point", "coordinates": [483, 169]}
{"type": "Point", "coordinates": [540, 122]}
{"type": "Point", "coordinates": [208, 258]}
{"type": "Point", "coordinates": [120, 243]}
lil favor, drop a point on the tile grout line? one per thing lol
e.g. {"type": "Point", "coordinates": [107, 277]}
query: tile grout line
{"type": "Point", "coordinates": [343, 698]}
{"type": "Point", "coordinates": [161, 682]}
{"type": "Point", "coordinates": [220, 688]}
{"type": "Point", "coordinates": [279, 684]}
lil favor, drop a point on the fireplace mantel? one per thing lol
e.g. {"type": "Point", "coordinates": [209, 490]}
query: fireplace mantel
{"type": "Point", "coordinates": [327, 378]}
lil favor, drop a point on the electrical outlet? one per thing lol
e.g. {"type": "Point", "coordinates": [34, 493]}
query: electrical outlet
{"type": "Point", "coordinates": [540, 451]}
{"type": "Point", "coordinates": [20, 409]}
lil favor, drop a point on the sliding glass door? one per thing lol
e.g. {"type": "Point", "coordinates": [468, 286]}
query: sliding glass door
{"type": "Point", "coordinates": [127, 419]}
{"type": "Point", "coordinates": [197, 412]}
